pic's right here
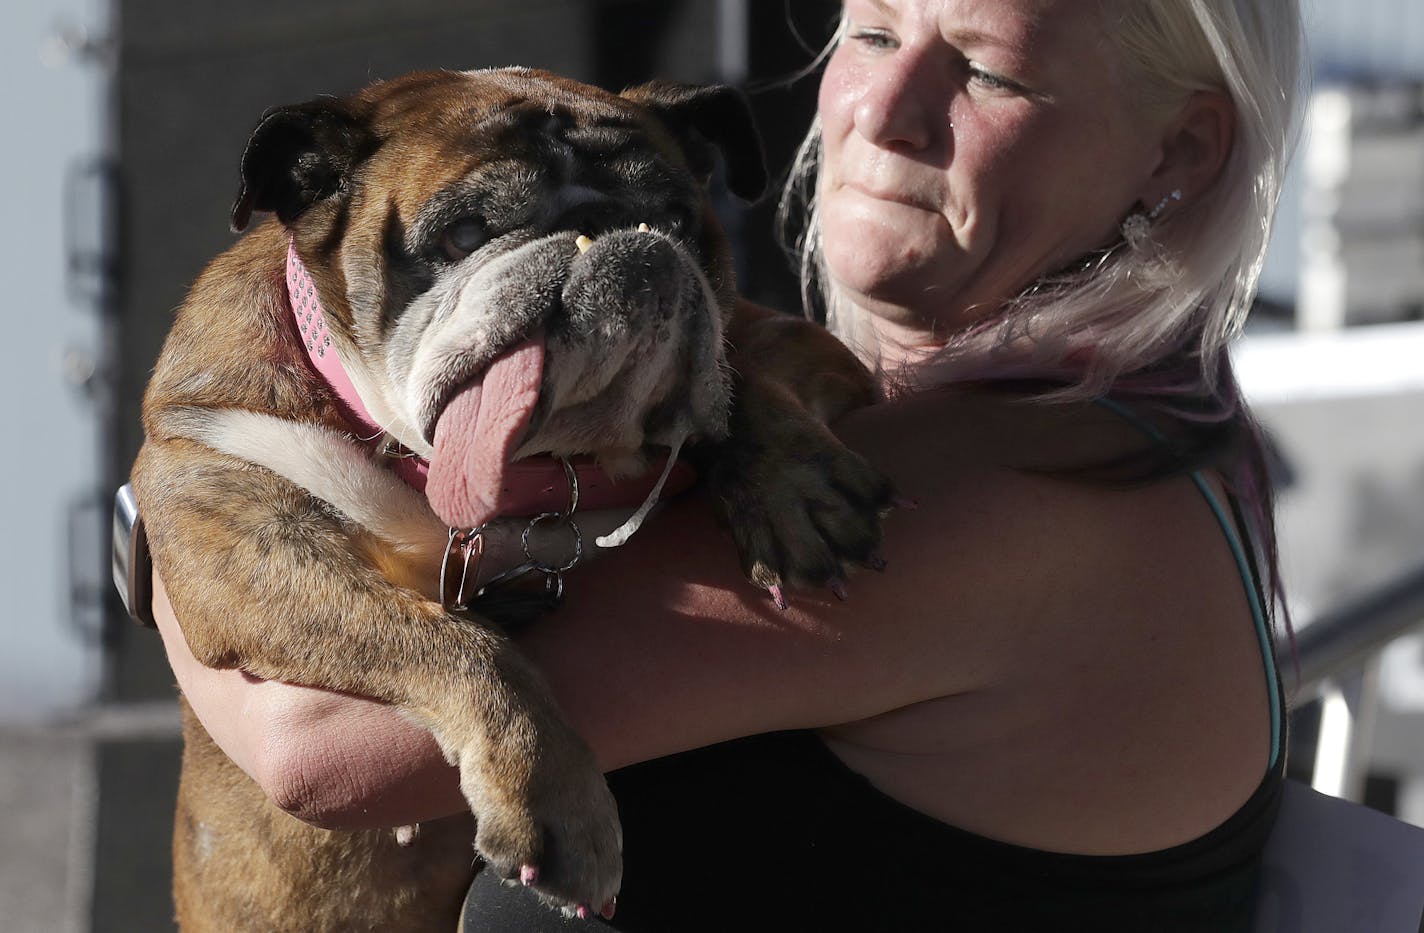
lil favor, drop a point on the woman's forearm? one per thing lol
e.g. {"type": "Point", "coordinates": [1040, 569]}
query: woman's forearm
{"type": "Point", "coordinates": [334, 760]}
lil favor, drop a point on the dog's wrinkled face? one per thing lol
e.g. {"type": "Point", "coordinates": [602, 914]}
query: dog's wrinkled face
{"type": "Point", "coordinates": [441, 215]}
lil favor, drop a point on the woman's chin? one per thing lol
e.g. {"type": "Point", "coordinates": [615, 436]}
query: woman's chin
{"type": "Point", "coordinates": [886, 262]}
{"type": "Point", "coordinates": [883, 280]}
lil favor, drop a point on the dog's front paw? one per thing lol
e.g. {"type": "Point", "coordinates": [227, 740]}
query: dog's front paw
{"type": "Point", "coordinates": [802, 507]}
{"type": "Point", "coordinates": [547, 820]}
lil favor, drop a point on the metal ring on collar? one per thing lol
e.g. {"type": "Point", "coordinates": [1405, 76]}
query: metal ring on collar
{"type": "Point", "coordinates": [565, 521]}
{"type": "Point", "coordinates": [469, 547]}
{"type": "Point", "coordinates": [572, 476]}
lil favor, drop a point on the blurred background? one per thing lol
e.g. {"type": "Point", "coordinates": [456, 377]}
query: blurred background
{"type": "Point", "coordinates": [126, 122]}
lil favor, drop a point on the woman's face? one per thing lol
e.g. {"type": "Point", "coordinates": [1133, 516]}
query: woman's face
{"type": "Point", "coordinates": [970, 147]}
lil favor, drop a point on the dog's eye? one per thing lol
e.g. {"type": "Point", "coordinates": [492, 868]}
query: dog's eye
{"type": "Point", "coordinates": [462, 238]}
{"type": "Point", "coordinates": [684, 219]}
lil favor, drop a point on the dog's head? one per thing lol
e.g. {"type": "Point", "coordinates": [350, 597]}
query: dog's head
{"type": "Point", "coordinates": [441, 214]}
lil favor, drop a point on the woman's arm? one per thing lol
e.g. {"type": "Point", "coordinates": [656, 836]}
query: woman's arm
{"type": "Point", "coordinates": [662, 645]}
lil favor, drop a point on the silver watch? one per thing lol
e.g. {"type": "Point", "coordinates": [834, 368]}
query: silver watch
{"type": "Point", "coordinates": [132, 565]}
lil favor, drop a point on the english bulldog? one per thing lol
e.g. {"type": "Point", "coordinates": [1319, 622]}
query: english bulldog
{"type": "Point", "coordinates": [480, 295]}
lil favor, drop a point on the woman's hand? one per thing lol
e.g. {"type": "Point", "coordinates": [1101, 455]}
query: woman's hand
{"type": "Point", "coordinates": [331, 759]}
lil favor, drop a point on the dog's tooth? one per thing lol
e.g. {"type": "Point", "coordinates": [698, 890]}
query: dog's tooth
{"type": "Point", "coordinates": [583, 243]}
{"type": "Point", "coordinates": [644, 228]}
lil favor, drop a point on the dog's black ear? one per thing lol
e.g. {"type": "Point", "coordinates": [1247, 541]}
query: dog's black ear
{"type": "Point", "coordinates": [297, 156]}
{"type": "Point", "coordinates": [710, 119]}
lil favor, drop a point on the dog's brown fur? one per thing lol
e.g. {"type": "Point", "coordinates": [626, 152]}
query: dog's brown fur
{"type": "Point", "coordinates": [268, 578]}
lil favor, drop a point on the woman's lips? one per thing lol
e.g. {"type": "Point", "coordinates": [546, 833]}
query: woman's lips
{"type": "Point", "coordinates": [905, 196]}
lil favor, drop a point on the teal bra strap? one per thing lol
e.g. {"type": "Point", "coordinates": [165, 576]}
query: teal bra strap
{"type": "Point", "coordinates": [1243, 565]}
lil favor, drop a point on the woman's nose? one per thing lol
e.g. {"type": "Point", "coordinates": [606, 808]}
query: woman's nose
{"type": "Point", "coordinates": [897, 110]}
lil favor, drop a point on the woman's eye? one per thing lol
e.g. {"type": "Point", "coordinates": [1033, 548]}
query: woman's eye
{"type": "Point", "coordinates": [875, 38]}
{"type": "Point", "coordinates": [993, 82]}
{"type": "Point", "coordinates": [462, 238]}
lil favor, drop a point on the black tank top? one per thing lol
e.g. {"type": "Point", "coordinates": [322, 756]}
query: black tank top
{"type": "Point", "coordinates": [775, 834]}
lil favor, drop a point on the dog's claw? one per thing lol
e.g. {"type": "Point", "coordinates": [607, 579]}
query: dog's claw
{"type": "Point", "coordinates": [644, 228]}
{"type": "Point", "coordinates": [583, 243]}
{"type": "Point", "coordinates": [803, 508]}
{"type": "Point", "coordinates": [528, 876]}
{"type": "Point", "coordinates": [582, 912]}
{"type": "Point", "coordinates": [838, 587]}
{"type": "Point", "coordinates": [608, 909]}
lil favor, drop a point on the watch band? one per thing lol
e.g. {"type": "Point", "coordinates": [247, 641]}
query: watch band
{"type": "Point", "coordinates": [130, 560]}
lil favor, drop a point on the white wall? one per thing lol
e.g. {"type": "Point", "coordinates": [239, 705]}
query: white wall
{"type": "Point", "coordinates": [52, 111]}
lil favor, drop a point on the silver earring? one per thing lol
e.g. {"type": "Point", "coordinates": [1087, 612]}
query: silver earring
{"type": "Point", "coordinates": [1137, 228]}
{"type": "Point", "coordinates": [1176, 195]}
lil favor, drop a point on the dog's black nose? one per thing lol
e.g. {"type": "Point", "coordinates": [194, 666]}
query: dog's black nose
{"type": "Point", "coordinates": [585, 210]}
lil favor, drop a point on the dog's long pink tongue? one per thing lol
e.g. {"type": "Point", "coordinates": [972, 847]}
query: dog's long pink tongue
{"type": "Point", "coordinates": [478, 432]}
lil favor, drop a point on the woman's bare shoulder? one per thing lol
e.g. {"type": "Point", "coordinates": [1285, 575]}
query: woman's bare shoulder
{"type": "Point", "coordinates": [1010, 538]}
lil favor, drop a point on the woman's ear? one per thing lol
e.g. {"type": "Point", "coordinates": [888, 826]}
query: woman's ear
{"type": "Point", "coordinates": [1195, 146]}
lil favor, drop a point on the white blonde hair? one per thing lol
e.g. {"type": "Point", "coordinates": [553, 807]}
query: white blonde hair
{"type": "Point", "coordinates": [1183, 295]}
